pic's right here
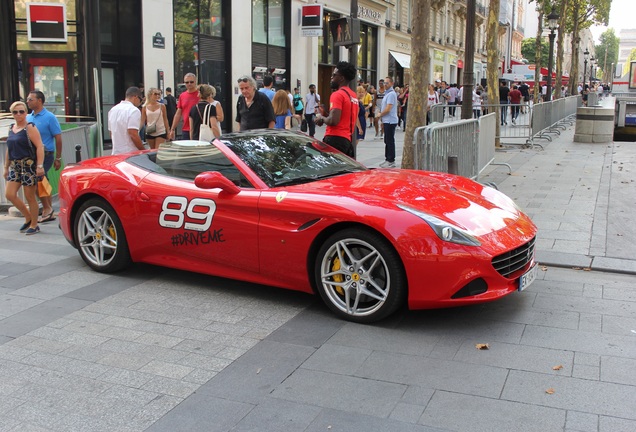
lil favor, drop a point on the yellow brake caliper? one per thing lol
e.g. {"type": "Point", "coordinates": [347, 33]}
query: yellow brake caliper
{"type": "Point", "coordinates": [112, 233]}
{"type": "Point", "coordinates": [338, 277]}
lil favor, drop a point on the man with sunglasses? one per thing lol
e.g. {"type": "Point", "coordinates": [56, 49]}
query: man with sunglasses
{"type": "Point", "coordinates": [253, 108]}
{"type": "Point", "coordinates": [187, 100]}
{"type": "Point", "coordinates": [124, 120]}
{"type": "Point", "coordinates": [51, 134]}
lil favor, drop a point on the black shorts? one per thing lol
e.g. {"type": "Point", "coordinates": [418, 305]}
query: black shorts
{"type": "Point", "coordinates": [163, 135]}
{"type": "Point", "coordinates": [340, 143]}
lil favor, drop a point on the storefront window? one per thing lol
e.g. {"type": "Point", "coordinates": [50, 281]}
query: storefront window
{"type": "Point", "coordinates": [367, 60]}
{"type": "Point", "coordinates": [268, 22]}
{"type": "Point", "coordinates": [194, 16]}
{"type": "Point", "coordinates": [259, 21]}
{"type": "Point", "coordinates": [211, 18]}
{"type": "Point", "coordinates": [326, 52]}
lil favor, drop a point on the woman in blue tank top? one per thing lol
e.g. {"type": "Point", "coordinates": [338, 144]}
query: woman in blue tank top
{"type": "Point", "coordinates": [23, 164]}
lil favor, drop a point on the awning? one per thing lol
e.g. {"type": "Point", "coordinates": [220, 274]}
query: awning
{"type": "Point", "coordinates": [403, 59]}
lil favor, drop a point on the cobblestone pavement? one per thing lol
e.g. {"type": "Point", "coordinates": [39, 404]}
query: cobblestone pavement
{"type": "Point", "coordinates": [163, 350]}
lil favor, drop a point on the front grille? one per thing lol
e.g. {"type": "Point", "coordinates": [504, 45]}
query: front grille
{"type": "Point", "coordinates": [514, 260]}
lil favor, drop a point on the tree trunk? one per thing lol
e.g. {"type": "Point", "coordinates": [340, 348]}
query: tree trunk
{"type": "Point", "coordinates": [537, 59]}
{"type": "Point", "coordinates": [559, 54]}
{"type": "Point", "coordinates": [576, 40]}
{"type": "Point", "coordinates": [418, 87]}
{"type": "Point", "coordinates": [492, 68]}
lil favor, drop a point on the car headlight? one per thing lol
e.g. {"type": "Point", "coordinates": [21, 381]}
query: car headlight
{"type": "Point", "coordinates": [444, 230]}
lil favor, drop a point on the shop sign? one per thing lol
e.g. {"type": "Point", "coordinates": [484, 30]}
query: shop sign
{"type": "Point", "coordinates": [369, 14]}
{"type": "Point", "coordinates": [311, 20]}
{"type": "Point", "coordinates": [158, 41]}
{"type": "Point", "coordinates": [46, 22]}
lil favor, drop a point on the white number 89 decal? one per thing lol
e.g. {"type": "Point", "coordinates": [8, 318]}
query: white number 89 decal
{"type": "Point", "coordinates": [175, 208]}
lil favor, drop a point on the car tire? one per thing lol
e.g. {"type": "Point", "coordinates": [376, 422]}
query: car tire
{"type": "Point", "coordinates": [100, 237]}
{"type": "Point", "coordinates": [360, 276]}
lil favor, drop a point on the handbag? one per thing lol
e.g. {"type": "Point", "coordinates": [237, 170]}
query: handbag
{"type": "Point", "coordinates": [33, 151]}
{"type": "Point", "coordinates": [151, 128]}
{"type": "Point", "coordinates": [44, 187]}
{"type": "Point", "coordinates": [205, 131]}
{"type": "Point", "coordinates": [303, 125]}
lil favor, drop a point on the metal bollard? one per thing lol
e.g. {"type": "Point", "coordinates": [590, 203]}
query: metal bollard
{"type": "Point", "coordinates": [78, 153]}
{"type": "Point", "coordinates": [453, 165]}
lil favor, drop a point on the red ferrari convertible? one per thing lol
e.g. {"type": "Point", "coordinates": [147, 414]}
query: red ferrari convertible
{"type": "Point", "coordinates": [283, 209]}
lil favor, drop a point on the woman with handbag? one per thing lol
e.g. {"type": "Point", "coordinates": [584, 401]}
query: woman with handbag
{"type": "Point", "coordinates": [204, 125]}
{"type": "Point", "coordinates": [155, 116]}
{"type": "Point", "coordinates": [24, 163]}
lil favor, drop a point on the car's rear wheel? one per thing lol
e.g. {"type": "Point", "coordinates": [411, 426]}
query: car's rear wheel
{"type": "Point", "coordinates": [360, 276]}
{"type": "Point", "coordinates": [100, 237]}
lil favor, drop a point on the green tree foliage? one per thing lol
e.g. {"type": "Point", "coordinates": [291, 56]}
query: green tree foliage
{"type": "Point", "coordinates": [528, 50]}
{"type": "Point", "coordinates": [632, 55]}
{"type": "Point", "coordinates": [582, 14]}
{"type": "Point", "coordinates": [607, 52]}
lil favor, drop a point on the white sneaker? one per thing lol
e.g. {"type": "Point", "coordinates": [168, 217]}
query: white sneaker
{"type": "Point", "coordinates": [387, 164]}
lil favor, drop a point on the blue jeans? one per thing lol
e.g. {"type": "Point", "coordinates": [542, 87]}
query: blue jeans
{"type": "Point", "coordinates": [504, 111]}
{"type": "Point", "coordinates": [389, 141]}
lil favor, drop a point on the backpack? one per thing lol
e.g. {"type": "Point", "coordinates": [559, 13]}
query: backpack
{"type": "Point", "coordinates": [298, 103]}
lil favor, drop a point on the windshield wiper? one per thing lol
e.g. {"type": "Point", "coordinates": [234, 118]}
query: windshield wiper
{"type": "Point", "coordinates": [307, 179]}
{"type": "Point", "coordinates": [295, 180]}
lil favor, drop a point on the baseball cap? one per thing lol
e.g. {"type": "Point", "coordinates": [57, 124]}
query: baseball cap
{"type": "Point", "coordinates": [438, 80]}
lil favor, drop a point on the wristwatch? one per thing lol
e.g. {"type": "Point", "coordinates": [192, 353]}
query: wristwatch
{"type": "Point", "coordinates": [58, 159]}
{"type": "Point", "coordinates": [40, 166]}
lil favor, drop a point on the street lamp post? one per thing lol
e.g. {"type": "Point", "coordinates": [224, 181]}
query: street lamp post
{"type": "Point", "coordinates": [591, 70]}
{"type": "Point", "coordinates": [586, 54]}
{"type": "Point", "coordinates": [553, 23]}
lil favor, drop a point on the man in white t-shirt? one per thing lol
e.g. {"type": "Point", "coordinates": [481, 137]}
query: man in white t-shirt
{"type": "Point", "coordinates": [123, 123]}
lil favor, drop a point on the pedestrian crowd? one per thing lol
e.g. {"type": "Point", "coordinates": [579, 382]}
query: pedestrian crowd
{"type": "Point", "coordinates": [355, 109]}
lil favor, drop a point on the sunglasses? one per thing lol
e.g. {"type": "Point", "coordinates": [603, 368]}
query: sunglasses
{"type": "Point", "coordinates": [18, 112]}
{"type": "Point", "coordinates": [242, 79]}
{"type": "Point", "coordinates": [157, 94]}
{"type": "Point", "coordinates": [189, 82]}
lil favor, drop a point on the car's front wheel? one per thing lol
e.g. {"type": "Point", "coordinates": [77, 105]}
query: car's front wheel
{"type": "Point", "coordinates": [360, 276]}
{"type": "Point", "coordinates": [100, 237]}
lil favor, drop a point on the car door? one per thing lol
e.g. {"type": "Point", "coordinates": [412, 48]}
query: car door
{"type": "Point", "coordinates": [210, 231]}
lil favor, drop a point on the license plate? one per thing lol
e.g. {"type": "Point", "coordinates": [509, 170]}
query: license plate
{"type": "Point", "coordinates": [527, 278]}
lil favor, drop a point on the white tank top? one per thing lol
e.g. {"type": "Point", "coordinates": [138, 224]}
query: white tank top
{"type": "Point", "coordinates": [155, 117]}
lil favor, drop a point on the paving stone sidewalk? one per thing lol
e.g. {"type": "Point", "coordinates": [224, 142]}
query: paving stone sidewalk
{"type": "Point", "coordinates": [163, 350]}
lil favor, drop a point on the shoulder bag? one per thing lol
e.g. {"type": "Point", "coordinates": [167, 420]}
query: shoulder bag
{"type": "Point", "coordinates": [205, 131]}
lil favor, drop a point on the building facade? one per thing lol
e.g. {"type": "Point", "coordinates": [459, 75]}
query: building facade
{"type": "Point", "coordinates": [113, 44]}
{"type": "Point", "coordinates": [627, 42]}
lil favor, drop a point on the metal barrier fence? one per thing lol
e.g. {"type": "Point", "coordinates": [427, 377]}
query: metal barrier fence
{"type": "Point", "coordinates": [532, 120]}
{"type": "Point", "coordinates": [471, 141]}
{"type": "Point", "coordinates": [73, 134]}
{"type": "Point", "coordinates": [486, 140]}
{"type": "Point", "coordinates": [435, 143]}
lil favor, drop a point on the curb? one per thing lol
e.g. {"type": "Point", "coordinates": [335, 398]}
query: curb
{"type": "Point", "coordinates": [585, 262]}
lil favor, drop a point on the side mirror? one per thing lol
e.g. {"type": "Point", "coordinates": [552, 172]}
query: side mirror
{"type": "Point", "coordinates": [214, 180]}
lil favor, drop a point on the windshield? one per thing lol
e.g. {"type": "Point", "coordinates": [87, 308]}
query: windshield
{"type": "Point", "coordinates": [285, 158]}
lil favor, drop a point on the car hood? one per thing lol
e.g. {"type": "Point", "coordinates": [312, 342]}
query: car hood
{"type": "Point", "coordinates": [466, 204]}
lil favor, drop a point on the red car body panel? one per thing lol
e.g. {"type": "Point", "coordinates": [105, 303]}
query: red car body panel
{"type": "Point", "coordinates": [267, 235]}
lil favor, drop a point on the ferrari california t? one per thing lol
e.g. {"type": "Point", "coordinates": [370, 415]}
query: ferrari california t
{"type": "Point", "coordinates": [283, 209]}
